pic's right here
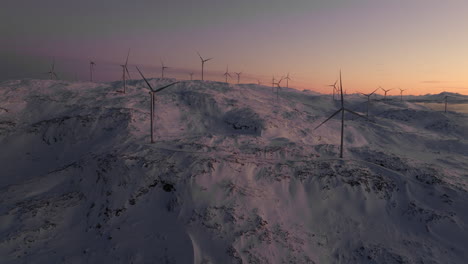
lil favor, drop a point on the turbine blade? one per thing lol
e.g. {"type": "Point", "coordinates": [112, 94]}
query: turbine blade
{"type": "Point", "coordinates": [128, 54]}
{"type": "Point", "coordinates": [354, 113]}
{"type": "Point", "coordinates": [149, 85]}
{"type": "Point", "coordinates": [164, 87]}
{"type": "Point", "coordinates": [334, 114]}
{"type": "Point", "coordinates": [373, 92]}
{"type": "Point", "coordinates": [341, 88]}
{"type": "Point", "coordinates": [199, 56]}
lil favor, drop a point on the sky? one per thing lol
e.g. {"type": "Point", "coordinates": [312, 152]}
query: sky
{"type": "Point", "coordinates": [419, 45]}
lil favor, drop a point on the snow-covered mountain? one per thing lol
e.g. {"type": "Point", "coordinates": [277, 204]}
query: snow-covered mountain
{"type": "Point", "coordinates": [235, 176]}
{"type": "Point", "coordinates": [452, 97]}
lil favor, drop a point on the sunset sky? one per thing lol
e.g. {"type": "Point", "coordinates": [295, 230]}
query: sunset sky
{"type": "Point", "coordinates": [419, 45]}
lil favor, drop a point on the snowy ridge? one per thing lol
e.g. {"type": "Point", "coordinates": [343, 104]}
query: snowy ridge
{"type": "Point", "coordinates": [236, 176]}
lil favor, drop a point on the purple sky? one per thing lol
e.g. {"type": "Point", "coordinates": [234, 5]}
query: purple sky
{"type": "Point", "coordinates": [415, 44]}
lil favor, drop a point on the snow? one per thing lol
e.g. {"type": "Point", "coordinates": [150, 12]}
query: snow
{"type": "Point", "coordinates": [235, 176]}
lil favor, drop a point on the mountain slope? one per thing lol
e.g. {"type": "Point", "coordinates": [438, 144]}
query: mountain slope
{"type": "Point", "coordinates": [236, 176]}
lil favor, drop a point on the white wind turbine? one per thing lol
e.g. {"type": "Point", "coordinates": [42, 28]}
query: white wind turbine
{"type": "Point", "coordinates": [342, 110]}
{"type": "Point", "coordinates": [278, 87]}
{"type": "Point", "coordinates": [163, 67]}
{"type": "Point", "coordinates": [334, 88]}
{"type": "Point", "coordinates": [91, 69]}
{"type": "Point", "coordinates": [203, 64]}
{"type": "Point", "coordinates": [125, 72]}
{"type": "Point", "coordinates": [368, 100]}
{"type": "Point", "coordinates": [273, 84]}
{"type": "Point", "coordinates": [152, 92]}
{"type": "Point", "coordinates": [386, 91]}
{"type": "Point", "coordinates": [51, 72]}
{"type": "Point", "coordinates": [445, 98]}
{"type": "Point", "coordinates": [287, 80]}
{"type": "Point", "coordinates": [238, 76]}
{"type": "Point", "coordinates": [401, 93]}
{"type": "Point", "coordinates": [226, 74]}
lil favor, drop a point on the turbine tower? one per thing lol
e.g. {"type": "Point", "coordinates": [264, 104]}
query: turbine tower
{"type": "Point", "coordinates": [152, 92]}
{"type": "Point", "coordinates": [334, 88]}
{"type": "Point", "coordinates": [191, 76]}
{"type": "Point", "coordinates": [238, 76]}
{"type": "Point", "coordinates": [226, 74]}
{"type": "Point", "coordinates": [52, 73]}
{"type": "Point", "coordinates": [342, 110]}
{"type": "Point", "coordinates": [273, 84]}
{"type": "Point", "coordinates": [125, 72]}
{"type": "Point", "coordinates": [91, 69]}
{"type": "Point", "coordinates": [162, 69]}
{"type": "Point", "coordinates": [445, 98]}
{"type": "Point", "coordinates": [401, 93]}
{"type": "Point", "coordinates": [368, 100]}
{"type": "Point", "coordinates": [203, 64]}
{"type": "Point", "coordinates": [386, 91]}
{"type": "Point", "coordinates": [287, 80]}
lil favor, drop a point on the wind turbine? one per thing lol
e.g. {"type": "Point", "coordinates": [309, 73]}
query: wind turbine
{"type": "Point", "coordinates": [342, 110]}
{"type": "Point", "coordinates": [162, 69]}
{"type": "Point", "coordinates": [287, 80]}
{"type": "Point", "coordinates": [191, 76]}
{"type": "Point", "coordinates": [259, 83]}
{"type": "Point", "coordinates": [273, 84]}
{"type": "Point", "coordinates": [226, 74]}
{"type": "Point", "coordinates": [238, 76]}
{"type": "Point", "coordinates": [401, 93]}
{"type": "Point", "coordinates": [278, 87]}
{"type": "Point", "coordinates": [125, 72]}
{"type": "Point", "coordinates": [152, 92]}
{"type": "Point", "coordinates": [52, 73]}
{"type": "Point", "coordinates": [91, 68]}
{"type": "Point", "coordinates": [445, 98]}
{"type": "Point", "coordinates": [334, 88]}
{"type": "Point", "coordinates": [386, 91]}
{"type": "Point", "coordinates": [368, 100]}
{"type": "Point", "coordinates": [202, 63]}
